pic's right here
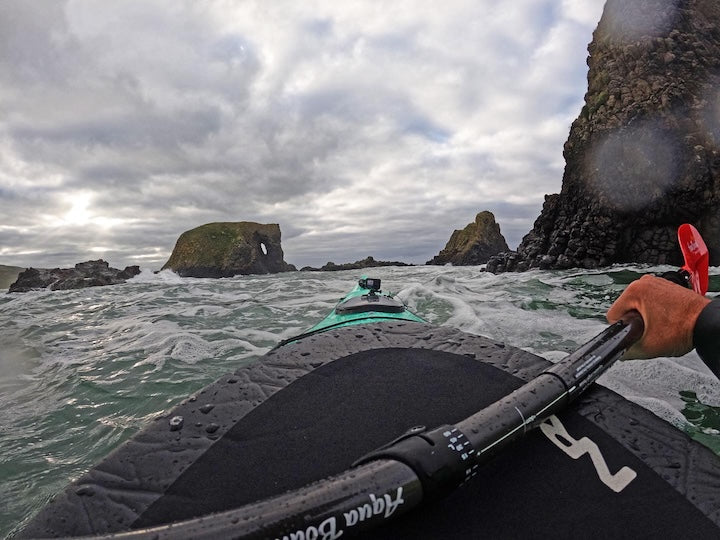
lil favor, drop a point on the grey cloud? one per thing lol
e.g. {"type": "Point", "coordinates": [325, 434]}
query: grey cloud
{"type": "Point", "coordinates": [402, 239]}
{"type": "Point", "coordinates": [131, 130]}
{"type": "Point", "coordinates": [346, 131]}
{"type": "Point", "coordinates": [32, 42]}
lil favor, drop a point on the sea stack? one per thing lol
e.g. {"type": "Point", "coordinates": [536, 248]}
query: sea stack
{"type": "Point", "coordinates": [642, 157]}
{"type": "Point", "coordinates": [474, 244]}
{"type": "Point", "coordinates": [85, 274]}
{"type": "Point", "coordinates": [227, 249]}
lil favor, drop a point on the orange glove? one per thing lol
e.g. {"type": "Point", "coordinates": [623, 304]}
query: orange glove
{"type": "Point", "coordinates": [669, 312]}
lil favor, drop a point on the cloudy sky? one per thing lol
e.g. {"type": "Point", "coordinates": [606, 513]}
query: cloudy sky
{"type": "Point", "coordinates": [361, 127]}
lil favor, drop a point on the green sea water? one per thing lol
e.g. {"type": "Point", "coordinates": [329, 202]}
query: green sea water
{"type": "Point", "coordinates": [82, 371]}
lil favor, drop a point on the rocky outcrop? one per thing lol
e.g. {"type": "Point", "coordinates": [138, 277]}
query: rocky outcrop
{"type": "Point", "coordinates": [642, 158]}
{"type": "Point", "coordinates": [85, 274]}
{"type": "Point", "coordinates": [227, 249]}
{"type": "Point", "coordinates": [8, 275]}
{"type": "Point", "coordinates": [368, 262]}
{"type": "Point", "coordinates": [474, 244]}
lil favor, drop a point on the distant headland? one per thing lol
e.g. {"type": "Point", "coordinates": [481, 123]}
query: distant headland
{"type": "Point", "coordinates": [367, 262]}
{"type": "Point", "coordinates": [8, 275]}
{"type": "Point", "coordinates": [227, 249]}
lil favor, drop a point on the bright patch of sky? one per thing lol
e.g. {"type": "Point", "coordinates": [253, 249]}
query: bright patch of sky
{"type": "Point", "coordinates": [361, 127]}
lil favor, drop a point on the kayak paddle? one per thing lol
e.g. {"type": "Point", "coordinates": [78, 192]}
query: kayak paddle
{"type": "Point", "coordinates": [696, 257]}
{"type": "Point", "coordinates": [421, 465]}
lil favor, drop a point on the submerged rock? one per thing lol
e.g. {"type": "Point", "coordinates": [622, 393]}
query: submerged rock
{"type": "Point", "coordinates": [227, 249]}
{"type": "Point", "coordinates": [642, 157]}
{"type": "Point", "coordinates": [85, 274]}
{"type": "Point", "coordinates": [474, 244]}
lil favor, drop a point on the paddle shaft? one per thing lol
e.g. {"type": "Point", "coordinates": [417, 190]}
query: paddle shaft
{"type": "Point", "coordinates": [419, 466]}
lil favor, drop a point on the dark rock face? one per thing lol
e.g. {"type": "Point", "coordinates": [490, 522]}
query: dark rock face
{"type": "Point", "coordinates": [474, 244]}
{"type": "Point", "coordinates": [642, 158]}
{"type": "Point", "coordinates": [85, 274]}
{"type": "Point", "coordinates": [368, 262]}
{"type": "Point", "coordinates": [227, 249]}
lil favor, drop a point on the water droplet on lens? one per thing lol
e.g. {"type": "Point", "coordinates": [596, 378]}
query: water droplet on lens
{"type": "Point", "coordinates": [176, 423]}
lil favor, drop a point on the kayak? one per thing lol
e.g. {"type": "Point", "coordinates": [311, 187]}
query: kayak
{"type": "Point", "coordinates": [365, 303]}
{"type": "Point", "coordinates": [370, 371]}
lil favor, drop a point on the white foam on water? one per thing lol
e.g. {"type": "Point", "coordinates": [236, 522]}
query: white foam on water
{"type": "Point", "coordinates": [149, 276]}
{"type": "Point", "coordinates": [656, 384]}
{"type": "Point", "coordinates": [82, 370]}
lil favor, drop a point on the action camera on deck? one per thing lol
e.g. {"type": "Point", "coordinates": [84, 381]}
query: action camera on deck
{"type": "Point", "coordinates": [372, 284]}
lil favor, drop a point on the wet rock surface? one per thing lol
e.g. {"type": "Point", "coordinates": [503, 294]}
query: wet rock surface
{"type": "Point", "coordinates": [474, 244]}
{"type": "Point", "coordinates": [227, 249]}
{"type": "Point", "coordinates": [642, 157]}
{"type": "Point", "coordinates": [367, 262]}
{"type": "Point", "coordinates": [85, 274]}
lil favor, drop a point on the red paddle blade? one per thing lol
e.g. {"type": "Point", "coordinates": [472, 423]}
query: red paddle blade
{"type": "Point", "coordinates": [696, 257]}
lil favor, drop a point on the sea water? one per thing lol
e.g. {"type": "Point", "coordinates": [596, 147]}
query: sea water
{"type": "Point", "coordinates": [82, 371]}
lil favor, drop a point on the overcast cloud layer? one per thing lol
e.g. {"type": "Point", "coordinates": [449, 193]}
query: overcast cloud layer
{"type": "Point", "coordinates": [361, 127]}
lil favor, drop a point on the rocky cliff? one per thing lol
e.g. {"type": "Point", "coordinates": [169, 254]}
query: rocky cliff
{"type": "Point", "coordinates": [642, 157]}
{"type": "Point", "coordinates": [474, 244]}
{"type": "Point", "coordinates": [228, 249]}
{"type": "Point", "coordinates": [85, 274]}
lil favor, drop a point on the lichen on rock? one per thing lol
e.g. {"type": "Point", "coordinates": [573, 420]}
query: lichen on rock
{"type": "Point", "coordinates": [474, 244]}
{"type": "Point", "coordinates": [227, 249]}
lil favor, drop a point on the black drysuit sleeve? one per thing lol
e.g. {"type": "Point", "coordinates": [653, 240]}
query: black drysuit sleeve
{"type": "Point", "coordinates": [706, 336]}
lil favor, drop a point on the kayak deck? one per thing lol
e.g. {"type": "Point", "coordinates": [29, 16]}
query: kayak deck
{"type": "Point", "coordinates": [366, 303]}
{"type": "Point", "coordinates": [319, 401]}
{"type": "Point", "coordinates": [312, 408]}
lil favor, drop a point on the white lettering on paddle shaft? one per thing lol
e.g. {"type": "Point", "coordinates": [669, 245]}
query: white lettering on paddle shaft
{"type": "Point", "coordinates": [327, 530]}
{"type": "Point", "coordinates": [384, 506]}
{"type": "Point", "coordinates": [377, 506]}
{"type": "Point", "coordinates": [556, 432]}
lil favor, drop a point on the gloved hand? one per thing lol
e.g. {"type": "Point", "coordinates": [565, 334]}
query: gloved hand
{"type": "Point", "coordinates": [669, 312]}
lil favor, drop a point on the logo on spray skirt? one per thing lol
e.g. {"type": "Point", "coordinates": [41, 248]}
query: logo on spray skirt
{"type": "Point", "coordinates": [554, 430]}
